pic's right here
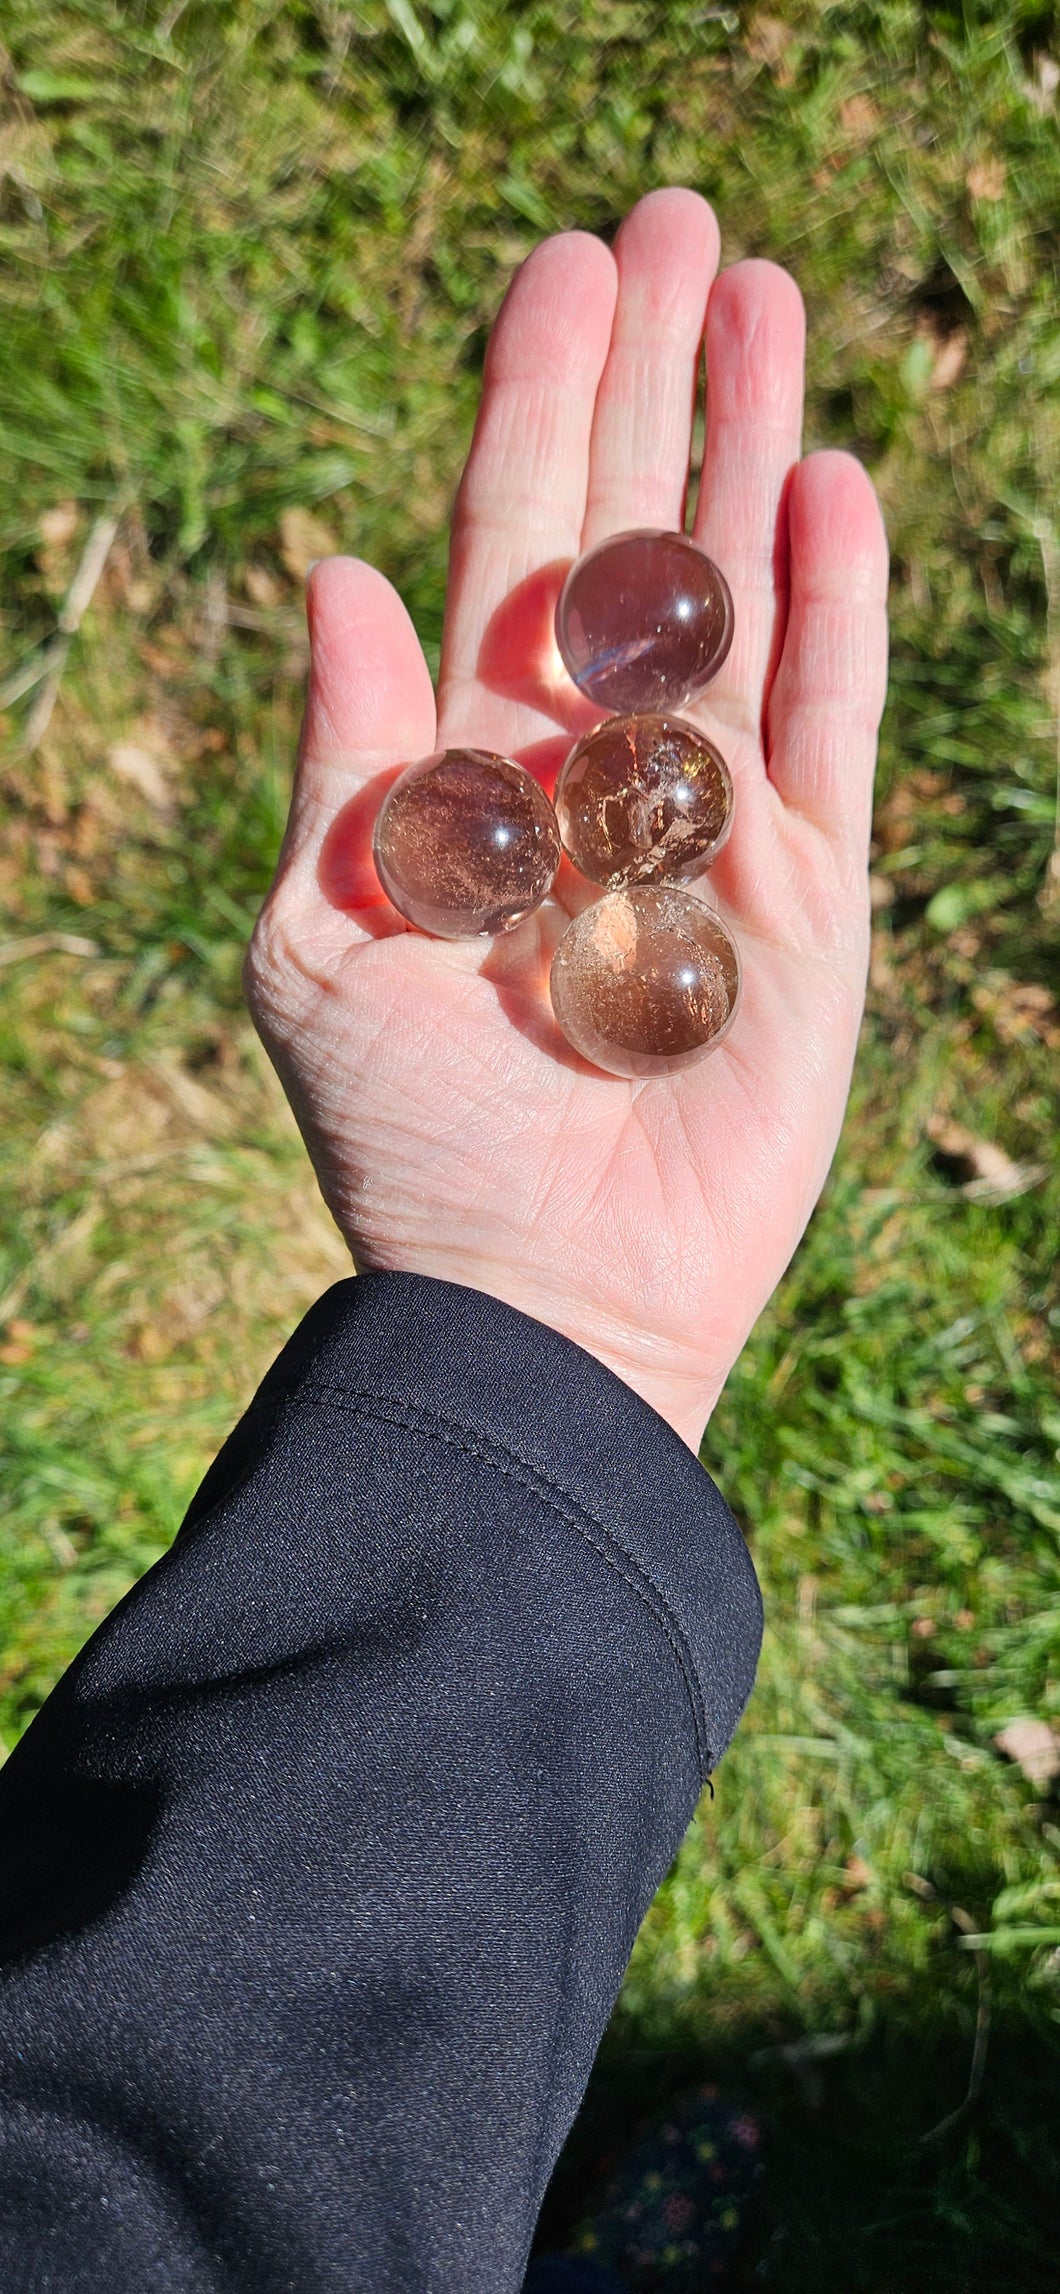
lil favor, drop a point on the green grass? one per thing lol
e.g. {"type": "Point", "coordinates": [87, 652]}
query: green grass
{"type": "Point", "coordinates": [247, 265]}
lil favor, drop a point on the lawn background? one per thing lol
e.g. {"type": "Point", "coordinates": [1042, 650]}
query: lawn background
{"type": "Point", "coordinates": [249, 254]}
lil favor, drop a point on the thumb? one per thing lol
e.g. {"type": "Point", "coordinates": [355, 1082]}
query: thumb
{"type": "Point", "coordinates": [370, 703]}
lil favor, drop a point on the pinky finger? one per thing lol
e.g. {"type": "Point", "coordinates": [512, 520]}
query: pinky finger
{"type": "Point", "coordinates": [827, 697]}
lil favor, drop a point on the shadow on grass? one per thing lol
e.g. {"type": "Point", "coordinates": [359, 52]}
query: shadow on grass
{"type": "Point", "coordinates": [853, 2200]}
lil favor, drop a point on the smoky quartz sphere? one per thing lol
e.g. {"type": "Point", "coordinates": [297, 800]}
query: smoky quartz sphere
{"type": "Point", "coordinates": [642, 800]}
{"type": "Point", "coordinates": [644, 621]}
{"type": "Point", "coordinates": [466, 842]}
{"type": "Point", "coordinates": [645, 981]}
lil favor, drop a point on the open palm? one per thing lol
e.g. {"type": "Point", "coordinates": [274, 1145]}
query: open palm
{"type": "Point", "coordinates": [453, 1131]}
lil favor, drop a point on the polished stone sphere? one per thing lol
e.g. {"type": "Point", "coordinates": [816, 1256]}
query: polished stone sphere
{"type": "Point", "coordinates": [466, 842]}
{"type": "Point", "coordinates": [644, 621]}
{"type": "Point", "coordinates": [643, 800]}
{"type": "Point", "coordinates": [645, 981]}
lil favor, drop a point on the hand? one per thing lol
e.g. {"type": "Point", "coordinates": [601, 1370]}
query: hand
{"type": "Point", "coordinates": [452, 1131]}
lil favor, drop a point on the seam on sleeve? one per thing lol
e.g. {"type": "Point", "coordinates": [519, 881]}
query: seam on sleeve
{"type": "Point", "coordinates": [363, 1402]}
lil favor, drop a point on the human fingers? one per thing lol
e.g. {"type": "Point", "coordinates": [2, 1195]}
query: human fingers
{"type": "Point", "coordinates": [827, 698]}
{"type": "Point", "coordinates": [369, 704]}
{"type": "Point", "coordinates": [666, 254]}
{"type": "Point", "coordinates": [755, 344]}
{"type": "Point", "coordinates": [522, 498]}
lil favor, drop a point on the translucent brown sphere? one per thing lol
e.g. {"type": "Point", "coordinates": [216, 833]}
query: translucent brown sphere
{"type": "Point", "coordinates": [644, 800]}
{"type": "Point", "coordinates": [466, 842]}
{"type": "Point", "coordinates": [644, 621]}
{"type": "Point", "coordinates": [645, 981]}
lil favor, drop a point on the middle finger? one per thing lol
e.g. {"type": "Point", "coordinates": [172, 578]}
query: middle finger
{"type": "Point", "coordinates": [667, 255]}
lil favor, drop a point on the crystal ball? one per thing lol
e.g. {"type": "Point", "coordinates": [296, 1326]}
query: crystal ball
{"type": "Point", "coordinates": [644, 621]}
{"type": "Point", "coordinates": [642, 800]}
{"type": "Point", "coordinates": [466, 842]}
{"type": "Point", "coordinates": [645, 981]}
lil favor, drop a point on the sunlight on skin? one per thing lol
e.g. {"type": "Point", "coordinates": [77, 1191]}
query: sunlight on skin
{"type": "Point", "coordinates": [453, 1131]}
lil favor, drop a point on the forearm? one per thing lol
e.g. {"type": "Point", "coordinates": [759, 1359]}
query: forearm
{"type": "Point", "coordinates": [324, 1863]}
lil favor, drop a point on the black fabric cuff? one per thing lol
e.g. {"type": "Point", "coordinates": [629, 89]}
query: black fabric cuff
{"type": "Point", "coordinates": [463, 1367]}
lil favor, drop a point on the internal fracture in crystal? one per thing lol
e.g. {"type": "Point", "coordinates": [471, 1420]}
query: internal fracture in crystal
{"type": "Point", "coordinates": [645, 981]}
{"type": "Point", "coordinates": [466, 843]}
{"type": "Point", "coordinates": [643, 800]}
{"type": "Point", "coordinates": [644, 621]}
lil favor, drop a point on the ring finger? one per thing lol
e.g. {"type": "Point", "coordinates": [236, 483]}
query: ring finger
{"type": "Point", "coordinates": [755, 336]}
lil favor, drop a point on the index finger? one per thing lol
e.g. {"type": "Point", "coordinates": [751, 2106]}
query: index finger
{"type": "Point", "coordinates": [522, 499]}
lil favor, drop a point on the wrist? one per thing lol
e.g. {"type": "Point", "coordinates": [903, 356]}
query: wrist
{"type": "Point", "coordinates": [685, 1399]}
{"type": "Point", "coordinates": [682, 1389]}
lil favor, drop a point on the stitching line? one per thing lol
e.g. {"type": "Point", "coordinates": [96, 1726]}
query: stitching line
{"type": "Point", "coordinates": [364, 1402]}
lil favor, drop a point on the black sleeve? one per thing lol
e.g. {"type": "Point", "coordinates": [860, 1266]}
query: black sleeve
{"type": "Point", "coordinates": [321, 1867]}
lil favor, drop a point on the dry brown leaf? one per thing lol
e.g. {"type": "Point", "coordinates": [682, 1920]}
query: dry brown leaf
{"type": "Point", "coordinates": [20, 1338]}
{"type": "Point", "coordinates": [859, 118]}
{"type": "Point", "coordinates": [949, 360]}
{"type": "Point", "coordinates": [147, 758]}
{"type": "Point", "coordinates": [58, 526]}
{"type": "Point", "coordinates": [1035, 1748]}
{"type": "Point", "coordinates": [1019, 1009]}
{"type": "Point", "coordinates": [304, 538]}
{"type": "Point", "coordinates": [768, 40]}
{"type": "Point", "coordinates": [992, 1177]}
{"type": "Point", "coordinates": [262, 587]}
{"type": "Point", "coordinates": [986, 179]}
{"type": "Point", "coordinates": [149, 1342]}
{"type": "Point", "coordinates": [141, 768]}
{"type": "Point", "coordinates": [80, 885]}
